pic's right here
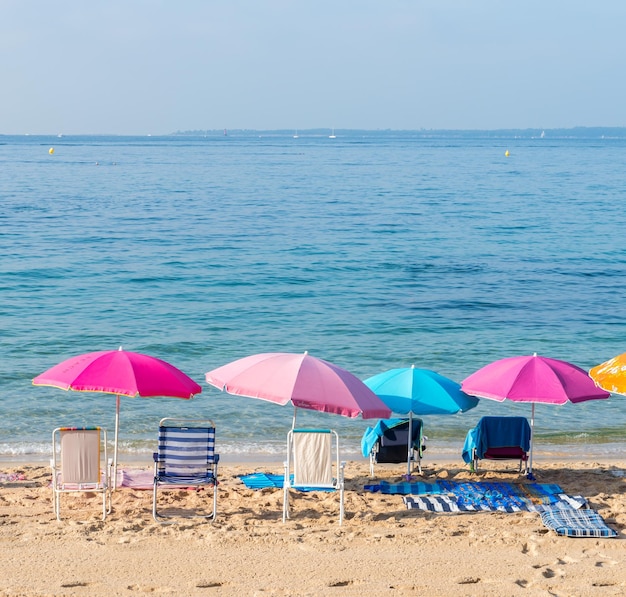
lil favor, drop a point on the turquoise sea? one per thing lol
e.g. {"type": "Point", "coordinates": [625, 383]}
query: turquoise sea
{"type": "Point", "coordinates": [372, 250]}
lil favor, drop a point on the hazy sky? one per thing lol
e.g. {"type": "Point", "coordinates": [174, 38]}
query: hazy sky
{"type": "Point", "coordinates": [155, 66]}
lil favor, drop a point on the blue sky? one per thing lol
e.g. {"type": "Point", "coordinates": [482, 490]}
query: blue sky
{"type": "Point", "coordinates": [154, 67]}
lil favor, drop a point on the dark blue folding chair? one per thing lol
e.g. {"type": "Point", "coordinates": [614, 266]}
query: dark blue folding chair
{"type": "Point", "coordinates": [498, 438]}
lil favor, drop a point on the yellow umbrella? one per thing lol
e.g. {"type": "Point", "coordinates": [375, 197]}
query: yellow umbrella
{"type": "Point", "coordinates": [611, 375]}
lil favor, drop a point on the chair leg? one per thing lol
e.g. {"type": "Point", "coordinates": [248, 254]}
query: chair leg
{"type": "Point", "coordinates": [57, 504]}
{"type": "Point", "coordinates": [285, 504]}
{"type": "Point", "coordinates": [154, 502]}
{"type": "Point", "coordinates": [341, 507]}
{"type": "Point", "coordinates": [214, 500]}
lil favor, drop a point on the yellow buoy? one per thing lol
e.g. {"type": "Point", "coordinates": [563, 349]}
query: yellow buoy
{"type": "Point", "coordinates": [51, 150]}
{"type": "Point", "coordinates": [506, 153]}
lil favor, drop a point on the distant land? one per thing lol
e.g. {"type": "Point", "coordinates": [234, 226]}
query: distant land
{"type": "Point", "coordinates": [579, 132]}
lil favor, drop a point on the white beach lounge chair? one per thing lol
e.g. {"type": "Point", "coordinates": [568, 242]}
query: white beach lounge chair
{"type": "Point", "coordinates": [80, 464]}
{"type": "Point", "coordinates": [311, 465]}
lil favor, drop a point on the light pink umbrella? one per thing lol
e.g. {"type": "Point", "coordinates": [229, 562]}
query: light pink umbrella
{"type": "Point", "coordinates": [305, 381]}
{"type": "Point", "coordinates": [533, 379]}
{"type": "Point", "coordinates": [121, 373]}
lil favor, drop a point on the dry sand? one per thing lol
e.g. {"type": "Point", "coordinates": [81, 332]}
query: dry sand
{"type": "Point", "coordinates": [382, 548]}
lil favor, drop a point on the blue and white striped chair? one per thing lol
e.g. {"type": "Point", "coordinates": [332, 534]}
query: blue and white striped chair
{"type": "Point", "coordinates": [186, 457]}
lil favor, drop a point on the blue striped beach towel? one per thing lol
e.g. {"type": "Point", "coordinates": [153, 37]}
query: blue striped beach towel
{"type": "Point", "coordinates": [405, 488]}
{"type": "Point", "coordinates": [451, 503]}
{"type": "Point", "coordinates": [576, 523]}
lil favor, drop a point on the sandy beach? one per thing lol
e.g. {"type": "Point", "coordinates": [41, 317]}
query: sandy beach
{"type": "Point", "coordinates": [382, 547]}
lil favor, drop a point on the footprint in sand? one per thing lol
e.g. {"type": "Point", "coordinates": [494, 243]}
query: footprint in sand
{"type": "Point", "coordinates": [605, 561]}
{"type": "Point", "coordinates": [530, 548]}
{"type": "Point", "coordinates": [470, 580]}
{"type": "Point", "coordinates": [521, 582]}
{"type": "Point", "coordinates": [341, 583]}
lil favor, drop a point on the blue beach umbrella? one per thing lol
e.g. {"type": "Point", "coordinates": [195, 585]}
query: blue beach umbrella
{"type": "Point", "coordinates": [411, 391]}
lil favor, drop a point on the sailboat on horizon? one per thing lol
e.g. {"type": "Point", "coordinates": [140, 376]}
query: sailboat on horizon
{"type": "Point", "coordinates": [332, 135]}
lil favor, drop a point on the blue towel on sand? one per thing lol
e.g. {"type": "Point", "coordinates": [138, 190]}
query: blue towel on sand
{"type": "Point", "coordinates": [496, 493]}
{"type": "Point", "coordinates": [405, 488]}
{"type": "Point", "coordinates": [450, 503]}
{"type": "Point", "coordinates": [486, 496]}
{"type": "Point", "coordinates": [576, 523]}
{"type": "Point", "coordinates": [263, 480]}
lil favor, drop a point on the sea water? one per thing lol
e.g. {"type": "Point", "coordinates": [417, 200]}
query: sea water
{"type": "Point", "coordinates": [373, 250]}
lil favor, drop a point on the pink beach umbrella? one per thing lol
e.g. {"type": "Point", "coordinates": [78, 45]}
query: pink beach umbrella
{"type": "Point", "coordinates": [533, 379]}
{"type": "Point", "coordinates": [302, 380]}
{"type": "Point", "coordinates": [121, 373]}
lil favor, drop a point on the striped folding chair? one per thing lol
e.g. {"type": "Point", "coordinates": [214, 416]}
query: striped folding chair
{"type": "Point", "coordinates": [185, 457]}
{"type": "Point", "coordinates": [79, 464]}
{"type": "Point", "coordinates": [312, 466]}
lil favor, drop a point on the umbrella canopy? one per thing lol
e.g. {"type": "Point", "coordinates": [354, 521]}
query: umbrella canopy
{"type": "Point", "coordinates": [533, 379]}
{"type": "Point", "coordinates": [420, 391]}
{"type": "Point", "coordinates": [122, 373]}
{"type": "Point", "coordinates": [300, 379]}
{"type": "Point", "coordinates": [412, 391]}
{"type": "Point", "coordinates": [611, 375]}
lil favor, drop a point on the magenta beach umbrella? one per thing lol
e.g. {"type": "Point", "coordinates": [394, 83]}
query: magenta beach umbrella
{"type": "Point", "coordinates": [533, 379]}
{"type": "Point", "coordinates": [302, 380]}
{"type": "Point", "coordinates": [122, 373]}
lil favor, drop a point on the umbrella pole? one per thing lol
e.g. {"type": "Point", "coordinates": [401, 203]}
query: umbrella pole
{"type": "Point", "coordinates": [295, 412]}
{"type": "Point", "coordinates": [408, 443]}
{"type": "Point", "coordinates": [532, 433]}
{"type": "Point", "coordinates": [117, 426]}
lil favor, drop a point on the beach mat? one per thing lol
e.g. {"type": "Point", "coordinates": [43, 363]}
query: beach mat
{"type": "Point", "coordinates": [12, 477]}
{"type": "Point", "coordinates": [405, 488]}
{"type": "Point", "coordinates": [142, 479]}
{"type": "Point", "coordinates": [493, 491]}
{"type": "Point", "coordinates": [452, 503]}
{"type": "Point", "coordinates": [135, 478]}
{"type": "Point", "coordinates": [263, 480]}
{"type": "Point", "coordinates": [576, 523]}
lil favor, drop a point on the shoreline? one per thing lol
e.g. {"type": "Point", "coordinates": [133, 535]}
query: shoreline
{"type": "Point", "coordinates": [440, 451]}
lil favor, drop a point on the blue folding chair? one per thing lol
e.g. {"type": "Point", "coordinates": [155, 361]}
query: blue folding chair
{"type": "Point", "coordinates": [185, 457]}
{"type": "Point", "coordinates": [498, 438]}
{"type": "Point", "coordinates": [388, 442]}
